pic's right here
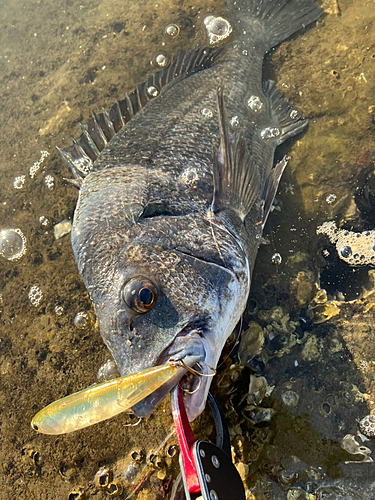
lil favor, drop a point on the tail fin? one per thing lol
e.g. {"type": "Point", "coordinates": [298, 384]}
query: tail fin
{"type": "Point", "coordinates": [269, 22]}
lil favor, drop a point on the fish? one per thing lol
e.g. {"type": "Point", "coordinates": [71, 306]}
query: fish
{"type": "Point", "coordinates": [175, 184]}
{"type": "Point", "coordinates": [101, 401]}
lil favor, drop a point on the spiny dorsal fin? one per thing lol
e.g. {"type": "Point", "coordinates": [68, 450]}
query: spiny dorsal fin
{"type": "Point", "coordinates": [270, 187]}
{"type": "Point", "coordinates": [287, 115]}
{"type": "Point", "coordinates": [236, 183]}
{"type": "Point", "coordinates": [102, 127]}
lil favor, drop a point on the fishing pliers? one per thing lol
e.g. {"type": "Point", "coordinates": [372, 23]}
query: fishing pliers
{"type": "Point", "coordinates": [208, 472]}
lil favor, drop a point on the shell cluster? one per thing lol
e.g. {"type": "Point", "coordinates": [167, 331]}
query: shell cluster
{"type": "Point", "coordinates": [356, 249]}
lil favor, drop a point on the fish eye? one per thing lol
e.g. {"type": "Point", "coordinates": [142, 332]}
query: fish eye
{"type": "Point", "coordinates": [139, 294]}
{"type": "Point", "coordinates": [34, 426]}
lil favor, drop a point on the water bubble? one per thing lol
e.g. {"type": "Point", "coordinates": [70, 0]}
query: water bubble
{"type": "Point", "coordinates": [355, 249]}
{"type": "Point", "coordinates": [367, 426]}
{"type": "Point", "coordinates": [49, 181]}
{"type": "Point", "coordinates": [12, 244]}
{"type": "Point", "coordinates": [346, 251]}
{"type": "Point", "coordinates": [331, 198]}
{"type": "Point", "coordinates": [36, 166]}
{"type": "Point", "coordinates": [245, 52]}
{"type": "Point", "coordinates": [82, 320]}
{"type": "Point", "coordinates": [59, 310]}
{"type": "Point", "coordinates": [218, 28]}
{"type": "Point", "coordinates": [269, 132]}
{"type": "Point", "coordinates": [152, 91]}
{"type": "Point", "coordinates": [255, 103]}
{"type": "Point", "coordinates": [276, 259]}
{"type": "Point", "coordinates": [43, 220]}
{"type": "Point", "coordinates": [172, 30]}
{"type": "Point", "coordinates": [207, 113]}
{"type": "Point", "coordinates": [35, 296]}
{"type": "Point", "coordinates": [108, 371]}
{"type": "Point", "coordinates": [19, 182]}
{"type": "Point", "coordinates": [235, 122]}
{"type": "Point", "coordinates": [161, 60]}
{"type": "Point", "coordinates": [294, 114]}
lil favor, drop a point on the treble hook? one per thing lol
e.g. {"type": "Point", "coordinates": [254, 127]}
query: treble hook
{"type": "Point", "coordinates": [179, 363]}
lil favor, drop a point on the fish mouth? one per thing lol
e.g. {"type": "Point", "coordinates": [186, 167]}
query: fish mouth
{"type": "Point", "coordinates": [189, 350]}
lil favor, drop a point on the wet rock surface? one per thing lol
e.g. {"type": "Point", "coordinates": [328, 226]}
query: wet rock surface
{"type": "Point", "coordinates": [308, 379]}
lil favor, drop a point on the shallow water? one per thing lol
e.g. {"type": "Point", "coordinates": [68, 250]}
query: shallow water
{"type": "Point", "coordinates": [59, 61]}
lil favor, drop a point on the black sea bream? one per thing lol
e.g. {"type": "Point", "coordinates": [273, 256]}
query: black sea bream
{"type": "Point", "coordinates": [175, 186]}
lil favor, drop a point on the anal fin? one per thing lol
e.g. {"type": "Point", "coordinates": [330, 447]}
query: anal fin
{"type": "Point", "coordinates": [270, 187]}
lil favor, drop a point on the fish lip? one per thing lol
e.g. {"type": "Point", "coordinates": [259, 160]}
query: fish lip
{"type": "Point", "coordinates": [145, 407]}
{"type": "Point", "coordinates": [187, 331]}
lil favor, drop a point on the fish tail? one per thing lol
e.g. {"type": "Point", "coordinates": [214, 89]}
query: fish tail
{"type": "Point", "coordinates": [269, 22]}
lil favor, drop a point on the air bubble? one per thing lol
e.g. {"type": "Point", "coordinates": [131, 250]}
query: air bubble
{"type": "Point", "coordinates": [346, 252]}
{"type": "Point", "coordinates": [49, 181]}
{"type": "Point", "coordinates": [276, 259]}
{"type": "Point", "coordinates": [367, 426]}
{"type": "Point", "coordinates": [218, 29]}
{"type": "Point", "coordinates": [207, 113]}
{"type": "Point", "coordinates": [269, 133]}
{"type": "Point", "coordinates": [356, 249]}
{"type": "Point", "coordinates": [235, 122]}
{"type": "Point", "coordinates": [59, 310]}
{"type": "Point", "coordinates": [36, 166]}
{"type": "Point", "coordinates": [172, 30]}
{"type": "Point", "coordinates": [255, 103]}
{"type": "Point", "coordinates": [43, 220]}
{"type": "Point", "coordinates": [82, 320]}
{"type": "Point", "coordinates": [294, 114]}
{"type": "Point", "coordinates": [35, 296]}
{"type": "Point", "coordinates": [331, 199]}
{"type": "Point", "coordinates": [152, 91]}
{"type": "Point", "coordinates": [12, 244]}
{"type": "Point", "coordinates": [19, 182]}
{"type": "Point", "coordinates": [108, 371]}
{"type": "Point", "coordinates": [161, 60]}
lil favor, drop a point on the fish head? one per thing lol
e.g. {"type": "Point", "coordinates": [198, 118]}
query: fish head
{"type": "Point", "coordinates": [157, 300]}
{"type": "Point", "coordinates": [166, 305]}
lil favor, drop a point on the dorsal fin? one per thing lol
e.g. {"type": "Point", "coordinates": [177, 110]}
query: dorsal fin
{"type": "Point", "coordinates": [101, 128]}
{"type": "Point", "coordinates": [236, 181]}
{"type": "Point", "coordinates": [288, 116]}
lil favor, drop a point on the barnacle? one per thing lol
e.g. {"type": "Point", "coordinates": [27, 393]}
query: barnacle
{"type": "Point", "coordinates": [78, 493]}
{"type": "Point", "coordinates": [103, 477]}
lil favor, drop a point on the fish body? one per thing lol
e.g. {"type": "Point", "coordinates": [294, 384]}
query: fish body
{"type": "Point", "coordinates": [176, 184]}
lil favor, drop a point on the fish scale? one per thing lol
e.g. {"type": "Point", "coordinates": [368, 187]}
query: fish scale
{"type": "Point", "coordinates": [173, 198]}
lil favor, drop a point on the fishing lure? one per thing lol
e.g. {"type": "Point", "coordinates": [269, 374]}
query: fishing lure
{"type": "Point", "coordinates": [101, 401]}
